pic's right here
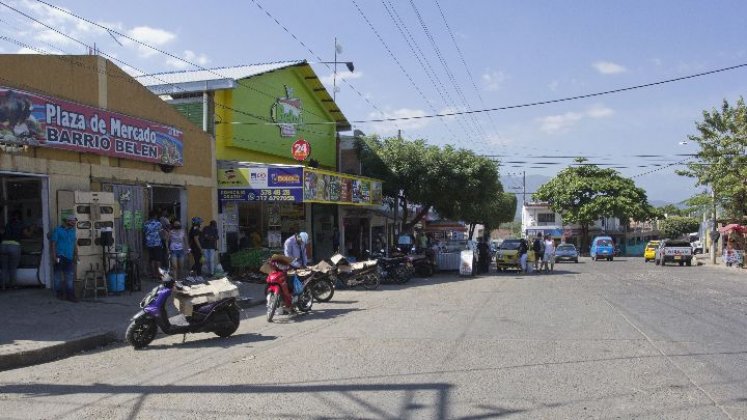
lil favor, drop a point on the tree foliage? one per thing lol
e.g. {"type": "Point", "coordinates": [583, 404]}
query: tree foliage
{"type": "Point", "coordinates": [456, 183]}
{"type": "Point", "coordinates": [677, 226]}
{"type": "Point", "coordinates": [721, 162]}
{"type": "Point", "coordinates": [585, 193]}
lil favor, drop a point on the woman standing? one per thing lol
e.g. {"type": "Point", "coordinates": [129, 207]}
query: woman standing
{"type": "Point", "coordinates": [177, 247]}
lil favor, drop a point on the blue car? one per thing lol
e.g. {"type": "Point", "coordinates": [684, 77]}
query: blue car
{"type": "Point", "coordinates": [602, 247]}
{"type": "Point", "coordinates": [566, 252]}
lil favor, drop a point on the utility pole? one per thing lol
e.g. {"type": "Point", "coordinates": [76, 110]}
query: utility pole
{"type": "Point", "coordinates": [714, 241]}
{"type": "Point", "coordinates": [524, 185]}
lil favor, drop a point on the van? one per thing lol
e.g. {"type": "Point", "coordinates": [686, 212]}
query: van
{"type": "Point", "coordinates": [602, 247]}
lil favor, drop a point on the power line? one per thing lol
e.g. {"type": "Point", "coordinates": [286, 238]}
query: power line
{"type": "Point", "coordinates": [464, 62]}
{"type": "Point", "coordinates": [259, 6]}
{"type": "Point", "coordinates": [566, 99]}
{"type": "Point", "coordinates": [399, 64]}
{"type": "Point", "coordinates": [421, 58]}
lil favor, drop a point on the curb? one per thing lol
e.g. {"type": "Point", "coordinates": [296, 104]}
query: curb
{"type": "Point", "coordinates": [74, 346]}
{"type": "Point", "coordinates": [57, 351]}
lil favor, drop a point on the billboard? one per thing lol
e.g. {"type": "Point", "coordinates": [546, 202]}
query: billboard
{"type": "Point", "coordinates": [28, 119]}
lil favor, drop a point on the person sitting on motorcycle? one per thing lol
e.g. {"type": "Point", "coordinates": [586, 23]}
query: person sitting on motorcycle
{"type": "Point", "coordinates": [294, 247]}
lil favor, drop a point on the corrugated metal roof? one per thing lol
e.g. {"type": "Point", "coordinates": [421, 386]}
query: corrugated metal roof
{"type": "Point", "coordinates": [236, 73]}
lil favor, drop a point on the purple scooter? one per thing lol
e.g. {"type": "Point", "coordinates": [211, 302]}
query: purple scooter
{"type": "Point", "coordinates": [221, 317]}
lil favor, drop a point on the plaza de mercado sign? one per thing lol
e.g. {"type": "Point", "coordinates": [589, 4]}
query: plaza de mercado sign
{"type": "Point", "coordinates": [27, 119]}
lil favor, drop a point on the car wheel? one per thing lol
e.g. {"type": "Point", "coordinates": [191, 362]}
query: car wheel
{"type": "Point", "coordinates": [656, 262]}
{"type": "Point", "coordinates": [688, 263]}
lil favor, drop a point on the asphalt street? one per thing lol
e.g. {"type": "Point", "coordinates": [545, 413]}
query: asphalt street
{"type": "Point", "coordinates": [619, 339]}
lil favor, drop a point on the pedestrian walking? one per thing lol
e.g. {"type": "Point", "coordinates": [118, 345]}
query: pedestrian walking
{"type": "Point", "coordinates": [63, 245]}
{"type": "Point", "coordinates": [523, 250]}
{"type": "Point", "coordinates": [548, 257]}
{"type": "Point", "coordinates": [537, 248]}
{"type": "Point", "coordinates": [195, 232]}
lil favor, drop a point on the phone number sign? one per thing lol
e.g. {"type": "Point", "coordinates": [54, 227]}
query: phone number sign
{"type": "Point", "coordinates": [288, 195]}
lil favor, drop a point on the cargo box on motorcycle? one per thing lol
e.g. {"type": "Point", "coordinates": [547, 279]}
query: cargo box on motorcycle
{"type": "Point", "coordinates": [187, 297]}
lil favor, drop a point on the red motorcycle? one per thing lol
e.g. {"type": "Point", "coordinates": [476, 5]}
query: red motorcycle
{"type": "Point", "coordinates": [278, 268]}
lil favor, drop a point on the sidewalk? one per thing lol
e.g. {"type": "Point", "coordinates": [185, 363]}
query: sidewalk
{"type": "Point", "coordinates": [38, 328]}
{"type": "Point", "coordinates": [705, 261]}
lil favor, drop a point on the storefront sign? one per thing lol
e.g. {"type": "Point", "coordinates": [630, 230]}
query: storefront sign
{"type": "Point", "coordinates": [268, 194]}
{"type": "Point", "coordinates": [301, 149]}
{"type": "Point", "coordinates": [261, 183]}
{"type": "Point", "coordinates": [331, 187]}
{"type": "Point", "coordinates": [34, 120]}
{"type": "Point", "coordinates": [296, 184]}
{"type": "Point", "coordinates": [287, 112]}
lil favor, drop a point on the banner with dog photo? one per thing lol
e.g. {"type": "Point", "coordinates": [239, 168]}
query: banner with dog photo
{"type": "Point", "coordinates": [28, 119]}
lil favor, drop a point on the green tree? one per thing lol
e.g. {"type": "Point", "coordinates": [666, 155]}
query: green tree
{"type": "Point", "coordinates": [721, 162]}
{"type": "Point", "coordinates": [677, 226]}
{"type": "Point", "coordinates": [585, 193]}
{"type": "Point", "coordinates": [671, 210]}
{"type": "Point", "coordinates": [490, 212]}
{"type": "Point", "coordinates": [450, 181]}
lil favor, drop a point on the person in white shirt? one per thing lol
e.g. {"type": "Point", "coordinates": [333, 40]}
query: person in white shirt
{"type": "Point", "coordinates": [548, 259]}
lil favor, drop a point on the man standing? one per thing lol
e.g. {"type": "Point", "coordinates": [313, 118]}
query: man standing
{"type": "Point", "coordinates": [209, 245]}
{"type": "Point", "coordinates": [537, 247]}
{"type": "Point", "coordinates": [153, 231]}
{"type": "Point", "coordinates": [65, 256]}
{"type": "Point", "coordinates": [194, 245]}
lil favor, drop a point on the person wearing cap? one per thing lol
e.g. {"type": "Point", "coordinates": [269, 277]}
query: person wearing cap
{"type": "Point", "coordinates": [294, 247]}
{"type": "Point", "coordinates": [65, 256]}
{"type": "Point", "coordinates": [195, 233]}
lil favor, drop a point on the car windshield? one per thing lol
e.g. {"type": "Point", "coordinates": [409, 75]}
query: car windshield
{"type": "Point", "coordinates": [604, 242]}
{"type": "Point", "coordinates": [678, 243]}
{"type": "Point", "coordinates": [566, 248]}
{"type": "Point", "coordinates": [510, 245]}
{"type": "Point", "coordinates": [652, 245]}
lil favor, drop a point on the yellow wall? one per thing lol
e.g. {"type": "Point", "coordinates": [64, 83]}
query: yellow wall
{"type": "Point", "coordinates": [94, 81]}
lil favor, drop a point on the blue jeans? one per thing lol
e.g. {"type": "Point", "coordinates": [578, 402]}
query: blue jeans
{"type": "Point", "coordinates": [65, 268]}
{"type": "Point", "coordinates": [209, 260]}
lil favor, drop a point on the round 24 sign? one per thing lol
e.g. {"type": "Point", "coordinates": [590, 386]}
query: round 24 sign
{"type": "Point", "coordinates": [301, 149]}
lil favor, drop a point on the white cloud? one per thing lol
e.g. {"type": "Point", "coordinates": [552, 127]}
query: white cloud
{"type": "Point", "coordinates": [190, 56]}
{"type": "Point", "coordinates": [387, 128]}
{"type": "Point", "coordinates": [608, 67]}
{"type": "Point", "coordinates": [342, 74]}
{"type": "Point", "coordinates": [493, 80]}
{"type": "Point", "coordinates": [559, 123]}
{"type": "Point", "coordinates": [151, 36]}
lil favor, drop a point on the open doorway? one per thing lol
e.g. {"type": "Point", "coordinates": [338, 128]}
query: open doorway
{"type": "Point", "coordinates": [23, 217]}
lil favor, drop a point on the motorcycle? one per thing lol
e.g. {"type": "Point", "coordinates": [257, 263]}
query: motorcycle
{"type": "Point", "coordinates": [220, 316]}
{"type": "Point", "coordinates": [424, 264]}
{"type": "Point", "coordinates": [396, 268]}
{"type": "Point", "coordinates": [321, 283]}
{"type": "Point", "coordinates": [364, 273]}
{"type": "Point", "coordinates": [278, 268]}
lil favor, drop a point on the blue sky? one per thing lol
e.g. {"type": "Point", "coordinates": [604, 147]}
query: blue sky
{"type": "Point", "coordinates": [509, 53]}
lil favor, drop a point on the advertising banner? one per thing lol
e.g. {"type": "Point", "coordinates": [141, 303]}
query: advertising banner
{"type": "Point", "coordinates": [34, 120]}
{"type": "Point", "coordinates": [331, 187]}
{"type": "Point", "coordinates": [296, 184]}
{"type": "Point", "coordinates": [261, 183]}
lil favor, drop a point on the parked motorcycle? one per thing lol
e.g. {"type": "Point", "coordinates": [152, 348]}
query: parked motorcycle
{"type": "Point", "coordinates": [278, 268]}
{"type": "Point", "coordinates": [321, 284]}
{"type": "Point", "coordinates": [424, 264]}
{"type": "Point", "coordinates": [218, 315]}
{"type": "Point", "coordinates": [363, 273]}
{"type": "Point", "coordinates": [396, 268]}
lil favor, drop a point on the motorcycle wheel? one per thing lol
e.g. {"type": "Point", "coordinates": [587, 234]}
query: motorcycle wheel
{"type": "Point", "coordinates": [273, 300]}
{"type": "Point", "coordinates": [141, 332]}
{"type": "Point", "coordinates": [371, 281]}
{"type": "Point", "coordinates": [323, 290]}
{"type": "Point", "coordinates": [424, 271]}
{"type": "Point", "coordinates": [401, 275]}
{"type": "Point", "coordinates": [305, 301]}
{"type": "Point", "coordinates": [228, 329]}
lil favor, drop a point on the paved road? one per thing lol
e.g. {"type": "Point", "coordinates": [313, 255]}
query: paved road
{"type": "Point", "coordinates": [592, 340]}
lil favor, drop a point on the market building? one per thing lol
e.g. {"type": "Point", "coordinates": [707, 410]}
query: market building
{"type": "Point", "coordinates": [80, 136]}
{"type": "Point", "coordinates": [277, 149]}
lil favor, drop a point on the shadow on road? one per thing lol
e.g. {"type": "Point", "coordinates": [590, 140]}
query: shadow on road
{"type": "Point", "coordinates": [212, 342]}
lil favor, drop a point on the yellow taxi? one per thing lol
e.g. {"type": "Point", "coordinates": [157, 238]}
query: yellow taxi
{"type": "Point", "coordinates": [649, 253]}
